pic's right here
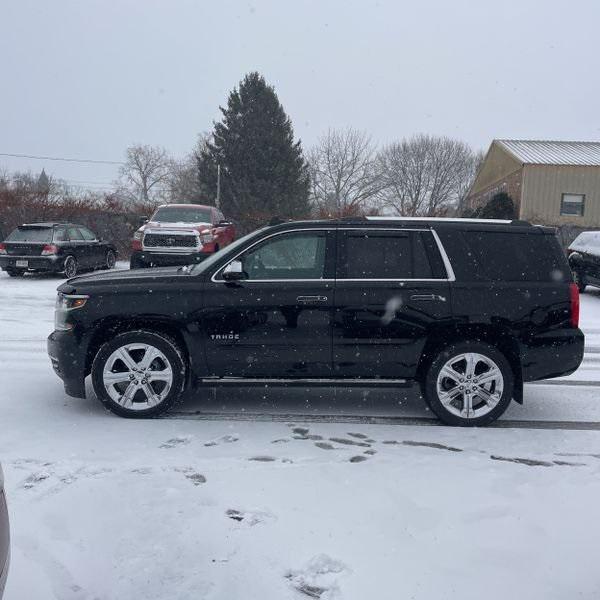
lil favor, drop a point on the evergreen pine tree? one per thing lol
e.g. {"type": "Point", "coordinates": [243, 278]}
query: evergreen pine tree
{"type": "Point", "coordinates": [263, 171]}
{"type": "Point", "coordinates": [500, 206]}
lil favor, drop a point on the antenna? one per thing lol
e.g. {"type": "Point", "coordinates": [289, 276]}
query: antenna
{"type": "Point", "coordinates": [218, 200]}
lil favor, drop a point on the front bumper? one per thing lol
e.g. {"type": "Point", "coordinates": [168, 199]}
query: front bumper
{"type": "Point", "coordinates": [50, 263]}
{"type": "Point", "coordinates": [67, 354]}
{"type": "Point", "coordinates": [167, 259]}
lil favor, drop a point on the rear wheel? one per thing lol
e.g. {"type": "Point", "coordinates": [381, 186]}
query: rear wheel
{"type": "Point", "coordinates": [110, 260]}
{"type": "Point", "coordinates": [139, 374]}
{"type": "Point", "coordinates": [15, 272]}
{"type": "Point", "coordinates": [469, 384]}
{"type": "Point", "coordinates": [70, 267]}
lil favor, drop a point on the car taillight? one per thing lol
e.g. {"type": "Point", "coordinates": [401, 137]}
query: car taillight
{"type": "Point", "coordinates": [574, 296]}
{"type": "Point", "coordinates": [136, 244]}
{"type": "Point", "coordinates": [3, 249]}
{"type": "Point", "coordinates": [49, 249]}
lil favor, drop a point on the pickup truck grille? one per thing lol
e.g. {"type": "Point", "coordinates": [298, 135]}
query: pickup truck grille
{"type": "Point", "coordinates": [170, 240]}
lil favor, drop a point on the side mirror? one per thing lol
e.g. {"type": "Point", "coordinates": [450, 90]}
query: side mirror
{"type": "Point", "coordinates": [234, 271]}
{"type": "Point", "coordinates": [143, 220]}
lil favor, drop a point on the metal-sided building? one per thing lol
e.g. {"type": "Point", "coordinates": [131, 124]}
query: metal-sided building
{"type": "Point", "coordinates": [551, 182]}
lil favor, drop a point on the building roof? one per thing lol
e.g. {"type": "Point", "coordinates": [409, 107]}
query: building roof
{"type": "Point", "coordinates": [541, 152]}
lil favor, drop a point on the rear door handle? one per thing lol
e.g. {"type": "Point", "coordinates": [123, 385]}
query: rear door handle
{"type": "Point", "coordinates": [428, 297]}
{"type": "Point", "coordinates": [311, 299]}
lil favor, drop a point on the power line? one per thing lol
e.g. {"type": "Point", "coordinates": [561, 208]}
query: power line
{"type": "Point", "coordinates": [63, 159]}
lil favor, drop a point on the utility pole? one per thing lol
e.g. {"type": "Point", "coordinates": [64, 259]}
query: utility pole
{"type": "Point", "coordinates": [218, 200]}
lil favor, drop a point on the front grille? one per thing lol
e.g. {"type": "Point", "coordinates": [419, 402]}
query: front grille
{"type": "Point", "coordinates": [165, 240]}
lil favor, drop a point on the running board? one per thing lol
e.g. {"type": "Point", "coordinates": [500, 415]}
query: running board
{"type": "Point", "coordinates": [298, 382]}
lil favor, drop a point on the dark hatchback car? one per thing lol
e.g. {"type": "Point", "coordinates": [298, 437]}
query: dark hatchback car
{"type": "Point", "coordinates": [584, 259]}
{"type": "Point", "coordinates": [468, 309]}
{"type": "Point", "coordinates": [55, 248]}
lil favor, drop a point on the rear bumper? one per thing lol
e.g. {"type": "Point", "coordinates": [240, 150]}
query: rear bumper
{"type": "Point", "coordinates": [34, 263]}
{"type": "Point", "coordinates": [67, 354]}
{"type": "Point", "coordinates": [552, 354]}
{"type": "Point", "coordinates": [166, 259]}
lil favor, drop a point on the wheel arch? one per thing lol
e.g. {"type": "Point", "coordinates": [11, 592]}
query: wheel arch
{"type": "Point", "coordinates": [496, 336]}
{"type": "Point", "coordinates": [113, 326]}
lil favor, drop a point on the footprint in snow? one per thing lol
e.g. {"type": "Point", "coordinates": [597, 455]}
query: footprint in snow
{"type": "Point", "coordinates": [191, 475]}
{"type": "Point", "coordinates": [176, 441]}
{"type": "Point", "coordinates": [324, 446]}
{"type": "Point", "coordinates": [360, 436]}
{"type": "Point", "coordinates": [358, 458]}
{"type": "Point", "coordinates": [249, 517]}
{"type": "Point", "coordinates": [318, 579]}
{"type": "Point", "coordinates": [349, 442]}
{"type": "Point", "coordinates": [224, 439]}
{"type": "Point", "coordinates": [370, 452]}
{"type": "Point", "coordinates": [431, 445]}
{"type": "Point", "coordinates": [263, 458]}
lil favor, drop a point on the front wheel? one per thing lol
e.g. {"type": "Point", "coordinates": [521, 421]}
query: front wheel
{"type": "Point", "coordinates": [469, 384]}
{"type": "Point", "coordinates": [139, 374]}
{"type": "Point", "coordinates": [70, 267]}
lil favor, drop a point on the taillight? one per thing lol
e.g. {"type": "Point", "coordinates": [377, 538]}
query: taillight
{"type": "Point", "coordinates": [574, 297]}
{"type": "Point", "coordinates": [3, 249]}
{"type": "Point", "coordinates": [49, 249]}
{"type": "Point", "coordinates": [136, 244]}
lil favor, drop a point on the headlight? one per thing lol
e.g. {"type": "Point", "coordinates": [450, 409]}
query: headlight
{"type": "Point", "coordinates": [206, 237]}
{"type": "Point", "coordinates": [64, 304]}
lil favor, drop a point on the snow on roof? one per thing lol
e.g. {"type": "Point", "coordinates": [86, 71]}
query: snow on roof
{"type": "Point", "coordinates": [542, 152]}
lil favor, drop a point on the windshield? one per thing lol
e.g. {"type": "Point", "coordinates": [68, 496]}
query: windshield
{"type": "Point", "coordinates": [217, 256]}
{"type": "Point", "coordinates": [40, 235]}
{"type": "Point", "coordinates": [179, 214]}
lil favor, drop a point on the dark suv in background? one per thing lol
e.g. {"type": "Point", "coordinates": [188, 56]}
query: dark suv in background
{"type": "Point", "coordinates": [54, 248]}
{"type": "Point", "coordinates": [584, 259]}
{"type": "Point", "coordinates": [468, 309]}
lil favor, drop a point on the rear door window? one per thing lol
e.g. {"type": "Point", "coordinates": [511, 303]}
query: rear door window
{"type": "Point", "coordinates": [75, 234]}
{"type": "Point", "coordinates": [377, 254]}
{"type": "Point", "coordinates": [87, 234]}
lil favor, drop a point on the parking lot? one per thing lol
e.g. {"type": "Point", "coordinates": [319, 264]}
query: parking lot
{"type": "Point", "coordinates": [375, 495]}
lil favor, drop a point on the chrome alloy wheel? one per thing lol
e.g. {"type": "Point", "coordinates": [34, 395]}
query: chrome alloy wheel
{"type": "Point", "coordinates": [470, 385]}
{"type": "Point", "coordinates": [137, 376]}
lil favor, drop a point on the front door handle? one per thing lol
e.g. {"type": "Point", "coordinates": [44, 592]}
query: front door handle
{"type": "Point", "coordinates": [428, 297]}
{"type": "Point", "coordinates": [311, 299]}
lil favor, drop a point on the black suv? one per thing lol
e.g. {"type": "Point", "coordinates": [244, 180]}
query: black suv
{"type": "Point", "coordinates": [584, 259]}
{"type": "Point", "coordinates": [54, 248]}
{"type": "Point", "coordinates": [469, 309]}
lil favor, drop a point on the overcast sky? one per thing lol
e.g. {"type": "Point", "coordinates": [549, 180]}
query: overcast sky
{"type": "Point", "coordinates": [87, 78]}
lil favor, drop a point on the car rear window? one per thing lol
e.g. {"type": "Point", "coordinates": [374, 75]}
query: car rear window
{"type": "Point", "coordinates": [507, 256]}
{"type": "Point", "coordinates": [40, 235]}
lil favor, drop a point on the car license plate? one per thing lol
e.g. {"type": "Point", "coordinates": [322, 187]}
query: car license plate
{"type": "Point", "coordinates": [21, 263]}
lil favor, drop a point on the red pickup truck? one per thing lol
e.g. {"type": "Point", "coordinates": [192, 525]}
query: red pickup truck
{"type": "Point", "coordinates": [180, 234]}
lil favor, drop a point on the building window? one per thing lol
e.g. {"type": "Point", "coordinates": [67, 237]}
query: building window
{"type": "Point", "coordinates": [572, 205]}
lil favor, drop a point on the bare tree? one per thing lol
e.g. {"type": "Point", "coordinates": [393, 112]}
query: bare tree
{"type": "Point", "coordinates": [184, 183]}
{"type": "Point", "coordinates": [343, 173]}
{"type": "Point", "coordinates": [144, 176]}
{"type": "Point", "coordinates": [425, 175]}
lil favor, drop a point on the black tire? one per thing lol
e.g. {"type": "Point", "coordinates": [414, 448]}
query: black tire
{"type": "Point", "coordinates": [579, 279]}
{"type": "Point", "coordinates": [70, 267]}
{"type": "Point", "coordinates": [15, 272]}
{"type": "Point", "coordinates": [444, 412]}
{"type": "Point", "coordinates": [171, 353]}
{"type": "Point", "coordinates": [110, 260]}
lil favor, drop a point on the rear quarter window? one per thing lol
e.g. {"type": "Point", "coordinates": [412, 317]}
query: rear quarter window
{"type": "Point", "coordinates": [507, 256]}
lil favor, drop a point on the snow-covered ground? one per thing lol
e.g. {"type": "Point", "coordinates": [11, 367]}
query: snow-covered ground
{"type": "Point", "coordinates": [285, 503]}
